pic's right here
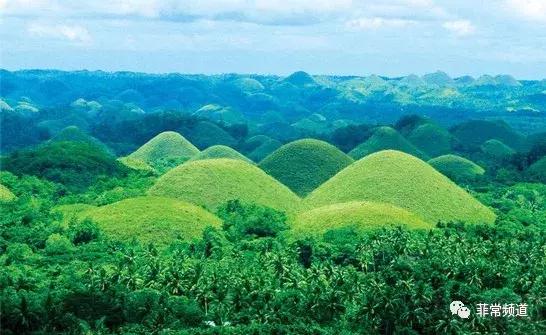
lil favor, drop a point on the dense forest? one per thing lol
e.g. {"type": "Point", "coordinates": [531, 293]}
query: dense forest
{"type": "Point", "coordinates": [133, 203]}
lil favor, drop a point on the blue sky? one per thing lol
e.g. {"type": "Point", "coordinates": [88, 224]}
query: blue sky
{"type": "Point", "coordinates": [389, 37]}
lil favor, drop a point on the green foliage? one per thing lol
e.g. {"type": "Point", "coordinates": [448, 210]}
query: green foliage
{"type": "Point", "coordinates": [212, 182]}
{"type": "Point", "coordinates": [385, 138]}
{"type": "Point", "coordinates": [219, 151]}
{"type": "Point", "coordinates": [263, 150]}
{"type": "Point", "coordinates": [77, 165]}
{"type": "Point", "coordinates": [57, 244]}
{"type": "Point", "coordinates": [404, 181]}
{"type": "Point", "coordinates": [250, 220]}
{"type": "Point", "coordinates": [457, 168]}
{"type": "Point", "coordinates": [303, 165]}
{"type": "Point", "coordinates": [151, 219]}
{"type": "Point", "coordinates": [537, 171]}
{"type": "Point", "coordinates": [360, 216]}
{"type": "Point", "coordinates": [6, 195]}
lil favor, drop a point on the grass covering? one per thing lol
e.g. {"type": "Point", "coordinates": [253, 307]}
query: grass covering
{"type": "Point", "coordinates": [404, 181]}
{"type": "Point", "coordinates": [135, 164]}
{"type": "Point", "coordinates": [496, 149]}
{"type": "Point", "coordinates": [457, 168]}
{"type": "Point", "coordinates": [71, 212]}
{"type": "Point", "coordinates": [431, 139]}
{"type": "Point", "coordinates": [385, 138]}
{"type": "Point", "coordinates": [152, 219]}
{"type": "Point", "coordinates": [166, 146]}
{"type": "Point", "coordinates": [212, 182]}
{"type": "Point", "coordinates": [206, 134]}
{"type": "Point", "coordinates": [219, 151]}
{"type": "Point", "coordinates": [358, 215]}
{"type": "Point", "coordinates": [303, 165]}
{"type": "Point", "coordinates": [6, 195]}
{"type": "Point", "coordinates": [74, 134]}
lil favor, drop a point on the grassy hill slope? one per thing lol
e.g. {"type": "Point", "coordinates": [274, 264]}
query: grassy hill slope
{"type": "Point", "coordinates": [404, 181]}
{"type": "Point", "coordinates": [431, 139]}
{"type": "Point", "coordinates": [385, 138]}
{"type": "Point", "coordinates": [360, 216]}
{"type": "Point", "coordinates": [150, 219]}
{"type": "Point", "coordinates": [6, 195]}
{"type": "Point", "coordinates": [167, 146]}
{"type": "Point", "coordinates": [212, 182]}
{"type": "Point", "coordinates": [305, 164]}
{"type": "Point", "coordinates": [457, 168]}
{"type": "Point", "coordinates": [219, 151]}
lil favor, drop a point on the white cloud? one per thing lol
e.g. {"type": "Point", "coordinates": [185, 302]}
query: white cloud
{"type": "Point", "coordinates": [529, 9]}
{"type": "Point", "coordinates": [377, 23]}
{"type": "Point", "coordinates": [460, 27]}
{"type": "Point", "coordinates": [72, 33]}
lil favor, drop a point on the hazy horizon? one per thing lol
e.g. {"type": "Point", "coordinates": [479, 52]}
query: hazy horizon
{"type": "Point", "coordinates": [338, 37]}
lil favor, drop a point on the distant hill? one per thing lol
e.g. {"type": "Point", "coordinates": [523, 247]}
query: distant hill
{"type": "Point", "coordinates": [213, 182]}
{"type": "Point", "coordinates": [474, 133]}
{"type": "Point", "coordinates": [206, 134]}
{"type": "Point", "coordinates": [165, 148]}
{"type": "Point", "coordinates": [405, 181]}
{"type": "Point", "coordinates": [305, 164]}
{"type": "Point", "coordinates": [457, 168]}
{"type": "Point", "coordinates": [537, 171]}
{"type": "Point", "coordinates": [431, 139]}
{"type": "Point", "coordinates": [219, 151]}
{"type": "Point", "coordinates": [385, 138]}
{"type": "Point", "coordinates": [496, 150]}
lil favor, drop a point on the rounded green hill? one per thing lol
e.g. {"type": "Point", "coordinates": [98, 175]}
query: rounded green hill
{"type": "Point", "coordinates": [475, 132]}
{"type": "Point", "coordinates": [359, 215]}
{"type": "Point", "coordinates": [206, 134]}
{"type": "Point", "coordinates": [457, 168]}
{"type": "Point", "coordinates": [213, 182]}
{"type": "Point", "coordinates": [219, 151]}
{"type": "Point", "coordinates": [537, 171]}
{"type": "Point", "coordinates": [385, 138]}
{"type": "Point", "coordinates": [431, 139]}
{"type": "Point", "coordinates": [6, 195]}
{"type": "Point", "coordinates": [303, 165]}
{"type": "Point", "coordinates": [74, 134]}
{"type": "Point", "coordinates": [404, 181]}
{"type": "Point", "coordinates": [152, 219]}
{"type": "Point", "coordinates": [497, 150]}
{"type": "Point", "coordinates": [167, 146]}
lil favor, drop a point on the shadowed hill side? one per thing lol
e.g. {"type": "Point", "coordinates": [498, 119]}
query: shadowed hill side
{"type": "Point", "coordinates": [404, 181]}
{"type": "Point", "coordinates": [385, 138]}
{"type": "Point", "coordinates": [213, 182]}
{"type": "Point", "coordinates": [457, 168]}
{"type": "Point", "coordinates": [305, 164]}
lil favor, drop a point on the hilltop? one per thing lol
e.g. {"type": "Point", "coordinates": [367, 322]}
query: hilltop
{"type": "Point", "coordinates": [404, 181]}
{"type": "Point", "coordinates": [212, 182]}
{"type": "Point", "coordinates": [168, 146]}
{"type": "Point", "coordinates": [305, 164]}
{"type": "Point", "coordinates": [385, 138]}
